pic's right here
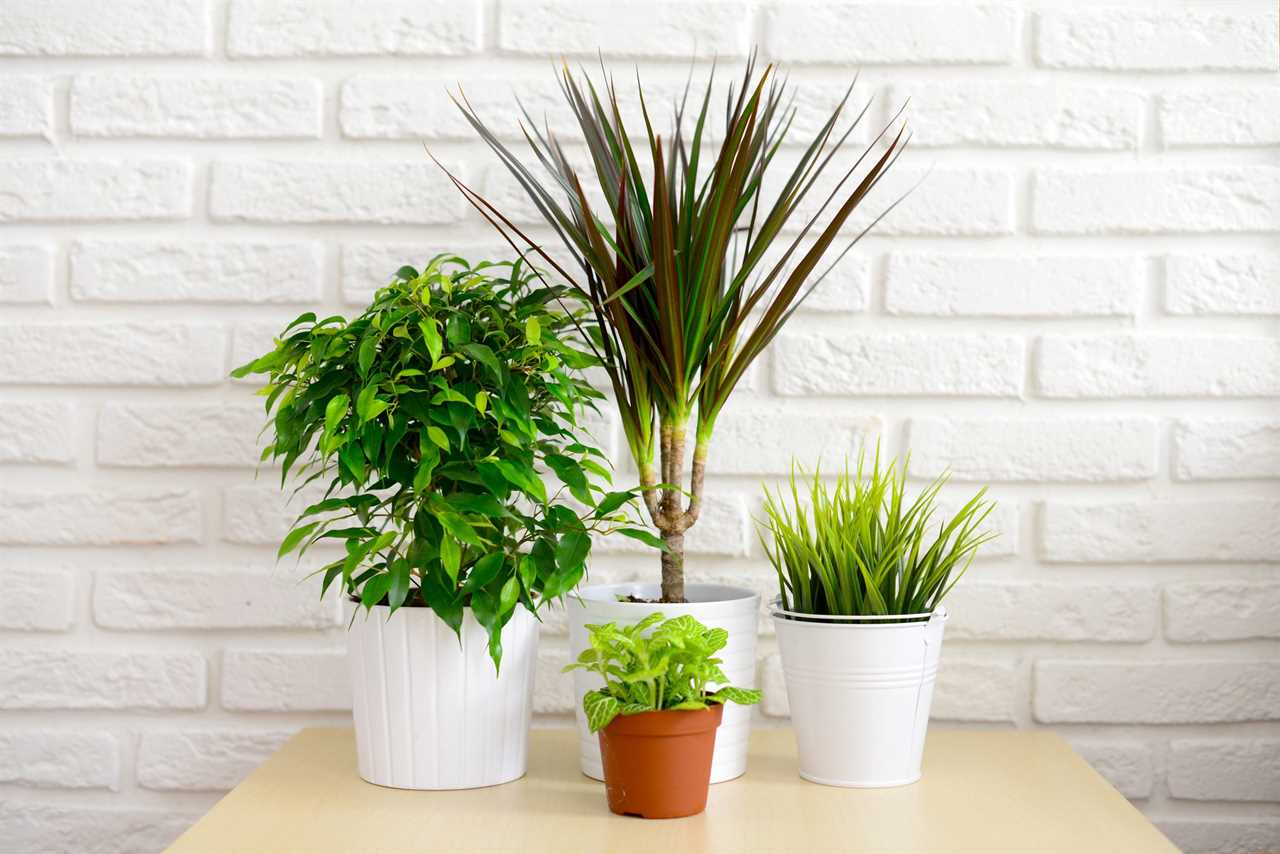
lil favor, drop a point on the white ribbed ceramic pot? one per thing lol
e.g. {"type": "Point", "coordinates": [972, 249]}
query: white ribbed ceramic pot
{"type": "Point", "coordinates": [860, 694]}
{"type": "Point", "coordinates": [734, 609]}
{"type": "Point", "coordinates": [430, 713]}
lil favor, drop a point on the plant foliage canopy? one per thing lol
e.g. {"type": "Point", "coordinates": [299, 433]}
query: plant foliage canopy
{"type": "Point", "coordinates": [678, 246]}
{"type": "Point", "coordinates": [427, 422]}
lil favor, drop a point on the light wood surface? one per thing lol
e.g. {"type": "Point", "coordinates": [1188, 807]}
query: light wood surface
{"type": "Point", "coordinates": [982, 792]}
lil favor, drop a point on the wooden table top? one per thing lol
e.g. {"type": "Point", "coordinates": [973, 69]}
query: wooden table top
{"type": "Point", "coordinates": [981, 792]}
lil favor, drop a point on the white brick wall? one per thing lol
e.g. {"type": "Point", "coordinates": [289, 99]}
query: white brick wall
{"type": "Point", "coordinates": [1077, 306]}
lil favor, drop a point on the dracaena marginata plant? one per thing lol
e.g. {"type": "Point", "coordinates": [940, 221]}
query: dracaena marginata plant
{"type": "Point", "coordinates": [427, 422]}
{"type": "Point", "coordinates": [861, 548]}
{"type": "Point", "coordinates": [666, 669]}
{"type": "Point", "coordinates": [683, 263]}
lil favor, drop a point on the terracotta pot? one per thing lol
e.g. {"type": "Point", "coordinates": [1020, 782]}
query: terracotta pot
{"type": "Point", "coordinates": [658, 764]}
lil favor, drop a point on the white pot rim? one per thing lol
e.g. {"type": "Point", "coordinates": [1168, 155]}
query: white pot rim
{"type": "Point", "coordinates": [701, 597]}
{"type": "Point", "coordinates": [887, 621]}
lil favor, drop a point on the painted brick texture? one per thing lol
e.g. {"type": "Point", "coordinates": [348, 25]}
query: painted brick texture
{"type": "Point", "coordinates": [1077, 306]}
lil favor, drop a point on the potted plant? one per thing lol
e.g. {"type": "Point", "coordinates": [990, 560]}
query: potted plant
{"type": "Point", "coordinates": [656, 714]}
{"type": "Point", "coordinates": [425, 423]}
{"type": "Point", "coordinates": [862, 572]}
{"type": "Point", "coordinates": [688, 279]}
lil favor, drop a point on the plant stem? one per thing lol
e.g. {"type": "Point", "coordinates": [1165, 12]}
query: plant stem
{"type": "Point", "coordinates": [670, 520]}
{"type": "Point", "coordinates": [673, 567]}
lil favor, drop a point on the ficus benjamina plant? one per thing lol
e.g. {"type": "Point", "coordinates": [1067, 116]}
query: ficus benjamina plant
{"type": "Point", "coordinates": [691, 255]}
{"type": "Point", "coordinates": [668, 668]}
{"type": "Point", "coordinates": [428, 423]}
{"type": "Point", "coordinates": [860, 547]}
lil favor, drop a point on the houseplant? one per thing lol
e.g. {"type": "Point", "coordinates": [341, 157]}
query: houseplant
{"type": "Point", "coordinates": [656, 715]}
{"type": "Point", "coordinates": [862, 572]}
{"type": "Point", "coordinates": [688, 278]}
{"type": "Point", "coordinates": [424, 422]}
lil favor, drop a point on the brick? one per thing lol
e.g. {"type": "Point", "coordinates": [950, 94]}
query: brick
{"type": "Point", "coordinates": [869, 33]}
{"type": "Point", "coordinates": [63, 679]}
{"type": "Point", "coordinates": [381, 107]}
{"type": "Point", "coordinates": [552, 689]}
{"type": "Point", "coordinates": [947, 285]}
{"type": "Point", "coordinates": [62, 760]}
{"type": "Point", "coordinates": [35, 828]}
{"type": "Point", "coordinates": [60, 190]}
{"type": "Point", "coordinates": [99, 518]}
{"type": "Point", "coordinates": [972, 689]}
{"type": "Point", "coordinates": [1035, 449]}
{"type": "Point", "coordinates": [1022, 114]}
{"type": "Point", "coordinates": [944, 202]}
{"type": "Point", "coordinates": [134, 28]}
{"type": "Point", "coordinates": [171, 354]}
{"type": "Point", "coordinates": [721, 530]}
{"type": "Point", "coordinates": [210, 599]}
{"type": "Point", "coordinates": [1222, 284]}
{"type": "Point", "coordinates": [1037, 611]}
{"type": "Point", "coordinates": [412, 192]}
{"type": "Point", "coordinates": [966, 690]}
{"type": "Point", "coordinates": [1102, 366]}
{"type": "Point", "coordinates": [759, 440]}
{"type": "Point", "coordinates": [1172, 39]}
{"type": "Point", "coordinates": [282, 680]}
{"type": "Point", "coordinates": [1225, 769]}
{"type": "Point", "coordinates": [1226, 448]}
{"type": "Point", "coordinates": [844, 289]}
{"type": "Point", "coordinates": [199, 272]}
{"type": "Point", "coordinates": [903, 364]}
{"type": "Point", "coordinates": [1125, 765]}
{"type": "Point", "coordinates": [369, 266]}
{"type": "Point", "coordinates": [664, 28]}
{"type": "Point", "coordinates": [203, 760]}
{"type": "Point", "coordinates": [1156, 692]}
{"type": "Point", "coordinates": [28, 106]}
{"type": "Point", "coordinates": [1221, 836]}
{"type": "Point", "coordinates": [262, 515]}
{"type": "Point", "coordinates": [1161, 531]}
{"type": "Point", "coordinates": [259, 28]}
{"type": "Point", "coordinates": [1221, 611]}
{"type": "Point", "coordinates": [1220, 116]}
{"type": "Point", "coordinates": [1156, 201]}
{"type": "Point", "coordinates": [251, 340]}
{"type": "Point", "coordinates": [158, 435]}
{"type": "Point", "coordinates": [26, 274]}
{"type": "Point", "coordinates": [36, 432]}
{"type": "Point", "coordinates": [37, 600]}
{"type": "Point", "coordinates": [195, 107]}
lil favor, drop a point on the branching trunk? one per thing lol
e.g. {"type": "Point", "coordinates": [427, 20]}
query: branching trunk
{"type": "Point", "coordinates": [673, 567]}
{"type": "Point", "coordinates": [671, 517]}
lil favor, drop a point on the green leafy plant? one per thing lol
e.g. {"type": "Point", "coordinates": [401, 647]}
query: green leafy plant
{"type": "Point", "coordinates": [861, 548]}
{"type": "Point", "coordinates": [428, 421]}
{"type": "Point", "coordinates": [668, 668]}
{"type": "Point", "coordinates": [675, 258]}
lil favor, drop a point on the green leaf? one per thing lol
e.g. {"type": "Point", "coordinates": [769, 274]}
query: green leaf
{"type": "Point", "coordinates": [407, 273]}
{"type": "Point", "coordinates": [643, 536]}
{"type": "Point", "coordinates": [368, 349]}
{"type": "Point", "coordinates": [437, 436]}
{"type": "Point", "coordinates": [460, 529]}
{"type": "Point", "coordinates": [533, 330]}
{"type": "Point", "coordinates": [601, 709]}
{"type": "Point", "coordinates": [431, 337]}
{"type": "Point", "coordinates": [334, 411]}
{"type": "Point", "coordinates": [294, 538]}
{"type": "Point", "coordinates": [508, 595]}
{"type": "Point", "coordinates": [450, 556]}
{"type": "Point", "coordinates": [375, 589]}
{"type": "Point", "coordinates": [742, 696]}
{"type": "Point", "coordinates": [483, 571]}
{"type": "Point", "coordinates": [612, 502]}
{"type": "Point", "coordinates": [399, 587]}
{"type": "Point", "coordinates": [572, 550]}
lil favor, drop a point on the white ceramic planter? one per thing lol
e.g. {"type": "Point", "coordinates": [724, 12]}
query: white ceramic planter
{"type": "Point", "coordinates": [733, 609]}
{"type": "Point", "coordinates": [432, 714]}
{"type": "Point", "coordinates": [860, 691]}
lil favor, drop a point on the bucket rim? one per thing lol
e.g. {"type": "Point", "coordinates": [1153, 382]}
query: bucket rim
{"type": "Point", "coordinates": [879, 620]}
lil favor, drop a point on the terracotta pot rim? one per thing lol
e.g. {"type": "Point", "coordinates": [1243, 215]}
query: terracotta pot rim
{"type": "Point", "coordinates": [666, 722]}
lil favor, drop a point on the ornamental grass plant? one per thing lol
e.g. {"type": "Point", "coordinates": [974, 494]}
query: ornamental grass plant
{"type": "Point", "coordinates": [860, 547]}
{"type": "Point", "coordinates": [678, 247]}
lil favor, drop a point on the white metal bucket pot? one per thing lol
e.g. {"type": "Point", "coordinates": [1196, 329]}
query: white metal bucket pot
{"type": "Point", "coordinates": [860, 689]}
{"type": "Point", "coordinates": [734, 609]}
{"type": "Point", "coordinates": [430, 713]}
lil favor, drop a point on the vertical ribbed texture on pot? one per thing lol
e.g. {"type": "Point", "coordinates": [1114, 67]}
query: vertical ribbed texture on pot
{"type": "Point", "coordinates": [430, 713]}
{"type": "Point", "coordinates": [860, 697]}
{"type": "Point", "coordinates": [735, 610]}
